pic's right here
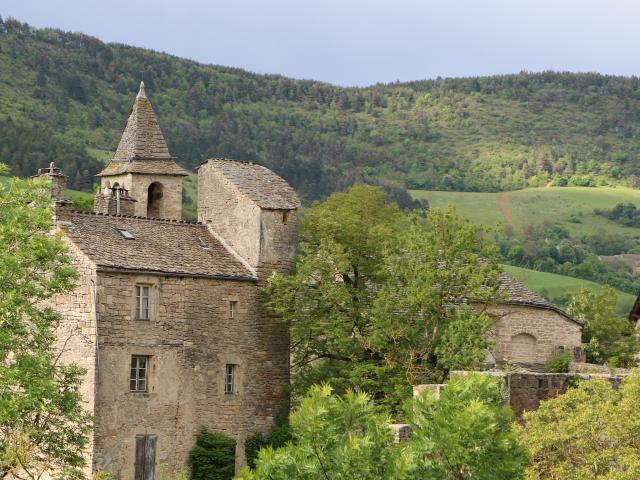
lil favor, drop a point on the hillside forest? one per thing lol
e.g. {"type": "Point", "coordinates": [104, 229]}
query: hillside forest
{"type": "Point", "coordinates": [64, 98]}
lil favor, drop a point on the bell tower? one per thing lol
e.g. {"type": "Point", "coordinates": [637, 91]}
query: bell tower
{"type": "Point", "coordinates": [143, 167]}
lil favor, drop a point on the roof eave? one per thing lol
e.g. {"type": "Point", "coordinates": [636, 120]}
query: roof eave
{"type": "Point", "coordinates": [241, 278]}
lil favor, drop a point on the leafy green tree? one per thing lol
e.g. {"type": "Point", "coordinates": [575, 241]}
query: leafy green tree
{"type": "Point", "coordinates": [608, 338]}
{"type": "Point", "coordinates": [465, 434]}
{"type": "Point", "coordinates": [43, 427]}
{"type": "Point", "coordinates": [334, 438]}
{"type": "Point", "coordinates": [590, 432]}
{"type": "Point", "coordinates": [379, 300]}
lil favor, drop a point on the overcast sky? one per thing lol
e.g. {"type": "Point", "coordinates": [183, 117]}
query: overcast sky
{"type": "Point", "coordinates": [360, 42]}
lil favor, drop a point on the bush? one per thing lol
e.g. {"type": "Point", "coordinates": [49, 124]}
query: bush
{"type": "Point", "coordinates": [213, 457]}
{"type": "Point", "coordinates": [252, 446]}
{"type": "Point", "coordinates": [276, 438]}
{"type": "Point", "coordinates": [560, 363]}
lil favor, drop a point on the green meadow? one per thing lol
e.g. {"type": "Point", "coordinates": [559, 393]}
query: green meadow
{"type": "Point", "coordinates": [570, 206]}
{"type": "Point", "coordinates": [553, 286]}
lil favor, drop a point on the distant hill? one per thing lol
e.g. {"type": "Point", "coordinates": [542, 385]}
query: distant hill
{"type": "Point", "coordinates": [555, 230]}
{"type": "Point", "coordinates": [65, 96]}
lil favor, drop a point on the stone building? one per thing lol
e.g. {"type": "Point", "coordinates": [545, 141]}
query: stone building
{"type": "Point", "coordinates": [529, 330]}
{"type": "Point", "coordinates": [166, 316]}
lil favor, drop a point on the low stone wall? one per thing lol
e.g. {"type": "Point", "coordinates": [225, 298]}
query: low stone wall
{"type": "Point", "coordinates": [525, 390]}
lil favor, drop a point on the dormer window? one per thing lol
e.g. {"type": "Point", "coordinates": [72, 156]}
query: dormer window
{"type": "Point", "coordinates": [126, 234]}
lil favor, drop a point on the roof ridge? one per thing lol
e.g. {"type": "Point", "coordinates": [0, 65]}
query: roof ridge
{"type": "Point", "coordinates": [225, 159]}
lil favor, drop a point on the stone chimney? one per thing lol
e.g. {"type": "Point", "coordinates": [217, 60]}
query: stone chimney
{"type": "Point", "coordinates": [114, 200]}
{"type": "Point", "coordinates": [57, 178]}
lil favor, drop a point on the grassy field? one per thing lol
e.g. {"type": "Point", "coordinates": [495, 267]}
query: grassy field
{"type": "Point", "coordinates": [536, 205]}
{"type": "Point", "coordinates": [554, 286]}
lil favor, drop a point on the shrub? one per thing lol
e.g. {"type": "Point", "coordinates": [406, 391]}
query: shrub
{"type": "Point", "coordinates": [560, 363]}
{"type": "Point", "coordinates": [212, 457]}
{"type": "Point", "coordinates": [276, 438]}
{"type": "Point", "coordinates": [252, 446]}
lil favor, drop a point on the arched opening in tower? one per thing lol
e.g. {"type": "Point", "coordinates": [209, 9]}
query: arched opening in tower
{"type": "Point", "coordinates": [154, 200]}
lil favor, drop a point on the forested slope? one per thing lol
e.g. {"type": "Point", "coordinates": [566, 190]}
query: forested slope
{"type": "Point", "coordinates": [65, 96]}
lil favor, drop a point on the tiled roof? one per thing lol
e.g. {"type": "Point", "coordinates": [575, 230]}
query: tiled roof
{"type": "Point", "coordinates": [159, 246]}
{"type": "Point", "coordinates": [142, 140]}
{"type": "Point", "coordinates": [260, 184]}
{"type": "Point", "coordinates": [517, 294]}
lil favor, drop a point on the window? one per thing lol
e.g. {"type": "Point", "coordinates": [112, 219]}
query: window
{"type": "Point", "coordinates": [229, 378]}
{"type": "Point", "coordinates": [142, 302]}
{"type": "Point", "coordinates": [126, 234]}
{"type": "Point", "coordinates": [139, 373]}
{"type": "Point", "coordinates": [285, 217]}
{"type": "Point", "coordinates": [232, 309]}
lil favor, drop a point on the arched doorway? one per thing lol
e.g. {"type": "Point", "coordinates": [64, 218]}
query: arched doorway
{"type": "Point", "coordinates": [523, 348]}
{"type": "Point", "coordinates": [154, 200]}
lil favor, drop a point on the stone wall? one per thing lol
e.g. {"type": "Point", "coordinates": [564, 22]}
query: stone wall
{"type": "Point", "coordinates": [230, 214]}
{"type": "Point", "coordinates": [525, 390]}
{"type": "Point", "coordinates": [532, 336]}
{"type": "Point", "coordinates": [190, 338]}
{"type": "Point", "coordinates": [76, 333]}
{"type": "Point", "coordinates": [138, 185]}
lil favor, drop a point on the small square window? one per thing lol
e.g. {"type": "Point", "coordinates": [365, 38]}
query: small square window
{"type": "Point", "coordinates": [138, 381]}
{"type": "Point", "coordinates": [142, 302]}
{"type": "Point", "coordinates": [232, 308]}
{"type": "Point", "coordinates": [229, 378]}
{"type": "Point", "coordinates": [126, 234]}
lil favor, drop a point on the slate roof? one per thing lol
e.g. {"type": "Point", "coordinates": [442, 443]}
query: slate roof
{"type": "Point", "coordinates": [141, 142]}
{"type": "Point", "coordinates": [159, 246]}
{"type": "Point", "coordinates": [517, 294]}
{"type": "Point", "coordinates": [261, 185]}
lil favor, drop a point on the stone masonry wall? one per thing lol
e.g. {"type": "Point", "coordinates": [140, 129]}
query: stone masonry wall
{"type": "Point", "coordinates": [76, 333]}
{"type": "Point", "coordinates": [278, 241]}
{"type": "Point", "coordinates": [190, 338]}
{"type": "Point", "coordinates": [525, 390]}
{"type": "Point", "coordinates": [231, 215]}
{"type": "Point", "coordinates": [531, 335]}
{"type": "Point", "coordinates": [138, 185]}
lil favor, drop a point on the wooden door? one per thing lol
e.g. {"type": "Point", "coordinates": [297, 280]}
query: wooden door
{"type": "Point", "coordinates": [146, 457]}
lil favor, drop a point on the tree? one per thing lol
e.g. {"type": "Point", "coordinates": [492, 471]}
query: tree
{"type": "Point", "coordinates": [380, 300]}
{"type": "Point", "coordinates": [43, 427]}
{"type": "Point", "coordinates": [334, 438]}
{"type": "Point", "coordinates": [466, 434]}
{"type": "Point", "coordinates": [590, 432]}
{"type": "Point", "coordinates": [608, 338]}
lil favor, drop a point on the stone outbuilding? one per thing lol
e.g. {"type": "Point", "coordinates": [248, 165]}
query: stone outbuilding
{"type": "Point", "coordinates": [529, 330]}
{"type": "Point", "coordinates": [166, 316]}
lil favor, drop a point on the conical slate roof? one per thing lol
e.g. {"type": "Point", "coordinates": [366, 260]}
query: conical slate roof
{"type": "Point", "coordinates": [142, 148]}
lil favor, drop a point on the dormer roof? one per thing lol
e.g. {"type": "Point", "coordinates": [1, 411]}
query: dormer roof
{"type": "Point", "coordinates": [142, 147]}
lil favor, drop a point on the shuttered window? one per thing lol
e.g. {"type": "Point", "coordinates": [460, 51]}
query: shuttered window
{"type": "Point", "coordinates": [145, 457]}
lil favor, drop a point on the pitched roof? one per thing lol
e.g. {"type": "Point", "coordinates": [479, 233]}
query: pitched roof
{"type": "Point", "coordinates": [261, 185]}
{"type": "Point", "coordinates": [517, 294]}
{"type": "Point", "coordinates": [142, 140]}
{"type": "Point", "coordinates": [159, 246]}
